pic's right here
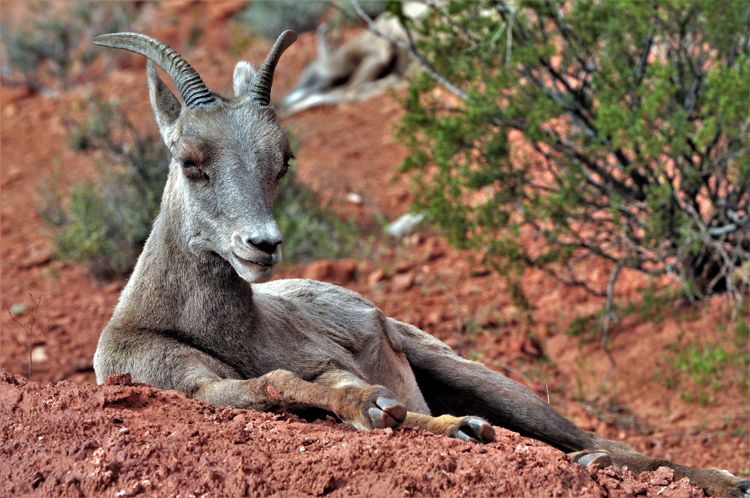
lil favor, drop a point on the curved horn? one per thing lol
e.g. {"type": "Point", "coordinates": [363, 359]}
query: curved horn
{"type": "Point", "coordinates": [189, 83]}
{"type": "Point", "coordinates": [260, 92]}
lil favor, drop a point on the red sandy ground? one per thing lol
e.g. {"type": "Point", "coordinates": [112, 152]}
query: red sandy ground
{"type": "Point", "coordinates": [65, 436]}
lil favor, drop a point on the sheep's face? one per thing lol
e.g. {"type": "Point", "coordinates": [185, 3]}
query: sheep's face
{"type": "Point", "coordinates": [227, 162]}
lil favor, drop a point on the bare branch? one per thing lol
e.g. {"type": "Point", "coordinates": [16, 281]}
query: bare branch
{"type": "Point", "coordinates": [30, 339]}
{"type": "Point", "coordinates": [411, 49]}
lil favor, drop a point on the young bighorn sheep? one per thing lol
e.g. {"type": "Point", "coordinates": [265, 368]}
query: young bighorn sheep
{"type": "Point", "coordinates": [194, 318]}
{"type": "Point", "coordinates": [360, 69]}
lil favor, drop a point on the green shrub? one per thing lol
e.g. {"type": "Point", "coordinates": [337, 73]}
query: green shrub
{"type": "Point", "coordinates": [612, 130]}
{"type": "Point", "coordinates": [580, 325]}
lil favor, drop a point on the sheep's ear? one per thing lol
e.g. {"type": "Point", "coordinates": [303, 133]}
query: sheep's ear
{"type": "Point", "coordinates": [321, 36]}
{"type": "Point", "coordinates": [165, 105]}
{"type": "Point", "coordinates": [243, 78]}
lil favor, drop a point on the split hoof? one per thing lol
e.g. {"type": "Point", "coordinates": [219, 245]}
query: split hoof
{"type": "Point", "coordinates": [473, 429]}
{"type": "Point", "coordinates": [589, 458]}
{"type": "Point", "coordinates": [387, 413]}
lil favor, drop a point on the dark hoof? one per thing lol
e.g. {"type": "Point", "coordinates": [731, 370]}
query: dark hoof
{"type": "Point", "coordinates": [587, 459]}
{"type": "Point", "coordinates": [389, 413]}
{"type": "Point", "coordinates": [744, 488]}
{"type": "Point", "coordinates": [474, 429]}
{"type": "Point", "coordinates": [741, 489]}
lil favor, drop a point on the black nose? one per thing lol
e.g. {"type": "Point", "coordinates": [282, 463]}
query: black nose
{"type": "Point", "coordinates": [266, 245]}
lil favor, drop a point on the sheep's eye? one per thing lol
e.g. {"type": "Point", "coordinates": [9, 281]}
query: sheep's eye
{"type": "Point", "coordinates": [283, 171]}
{"type": "Point", "coordinates": [188, 163]}
{"type": "Point", "coordinates": [192, 170]}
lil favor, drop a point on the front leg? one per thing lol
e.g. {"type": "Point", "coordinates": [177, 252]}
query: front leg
{"type": "Point", "coordinates": [467, 428]}
{"type": "Point", "coordinates": [169, 364]}
{"type": "Point", "coordinates": [364, 407]}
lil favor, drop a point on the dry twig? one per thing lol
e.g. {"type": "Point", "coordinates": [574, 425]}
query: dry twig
{"type": "Point", "coordinates": [30, 340]}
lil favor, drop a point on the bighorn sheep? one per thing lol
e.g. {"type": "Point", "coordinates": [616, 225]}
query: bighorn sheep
{"type": "Point", "coordinates": [193, 317]}
{"type": "Point", "coordinates": [360, 69]}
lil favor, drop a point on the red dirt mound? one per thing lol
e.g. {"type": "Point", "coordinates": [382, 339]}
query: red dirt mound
{"type": "Point", "coordinates": [126, 439]}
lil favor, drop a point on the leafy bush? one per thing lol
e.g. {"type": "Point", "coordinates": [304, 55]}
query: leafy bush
{"type": "Point", "coordinates": [106, 221]}
{"type": "Point", "coordinates": [53, 50]}
{"type": "Point", "coordinates": [564, 131]}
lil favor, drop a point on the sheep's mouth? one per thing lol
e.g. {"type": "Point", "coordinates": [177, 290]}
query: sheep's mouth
{"type": "Point", "coordinates": [252, 262]}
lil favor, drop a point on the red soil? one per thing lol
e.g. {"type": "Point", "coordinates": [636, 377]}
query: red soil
{"type": "Point", "coordinates": [64, 436]}
{"type": "Point", "coordinates": [126, 439]}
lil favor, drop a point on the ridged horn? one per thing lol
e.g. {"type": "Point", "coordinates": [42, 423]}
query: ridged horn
{"type": "Point", "coordinates": [189, 83]}
{"type": "Point", "coordinates": [260, 92]}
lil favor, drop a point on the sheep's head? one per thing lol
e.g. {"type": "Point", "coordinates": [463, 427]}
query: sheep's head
{"type": "Point", "coordinates": [322, 79]}
{"type": "Point", "coordinates": [228, 155]}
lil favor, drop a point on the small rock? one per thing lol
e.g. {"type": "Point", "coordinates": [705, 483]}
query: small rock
{"type": "Point", "coordinates": [633, 488]}
{"type": "Point", "coordinates": [354, 198]}
{"type": "Point", "coordinates": [663, 476]}
{"type": "Point", "coordinates": [403, 266]}
{"type": "Point", "coordinates": [10, 110]}
{"type": "Point", "coordinates": [435, 253]}
{"type": "Point", "coordinates": [479, 271]}
{"type": "Point", "coordinates": [412, 240]}
{"type": "Point", "coordinates": [375, 277]}
{"type": "Point", "coordinates": [403, 282]}
{"type": "Point", "coordinates": [323, 485]}
{"type": "Point", "coordinates": [119, 380]}
{"type": "Point", "coordinates": [37, 259]}
{"type": "Point", "coordinates": [39, 355]}
{"type": "Point", "coordinates": [113, 287]}
{"type": "Point", "coordinates": [341, 272]}
{"type": "Point", "coordinates": [219, 11]}
{"type": "Point", "coordinates": [404, 225]}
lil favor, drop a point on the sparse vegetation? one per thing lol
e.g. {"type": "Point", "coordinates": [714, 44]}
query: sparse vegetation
{"type": "Point", "coordinates": [701, 362]}
{"type": "Point", "coordinates": [105, 221]}
{"type": "Point", "coordinates": [54, 51]}
{"type": "Point", "coordinates": [268, 19]}
{"type": "Point", "coordinates": [580, 325]}
{"type": "Point", "coordinates": [30, 338]}
{"type": "Point", "coordinates": [699, 369]}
